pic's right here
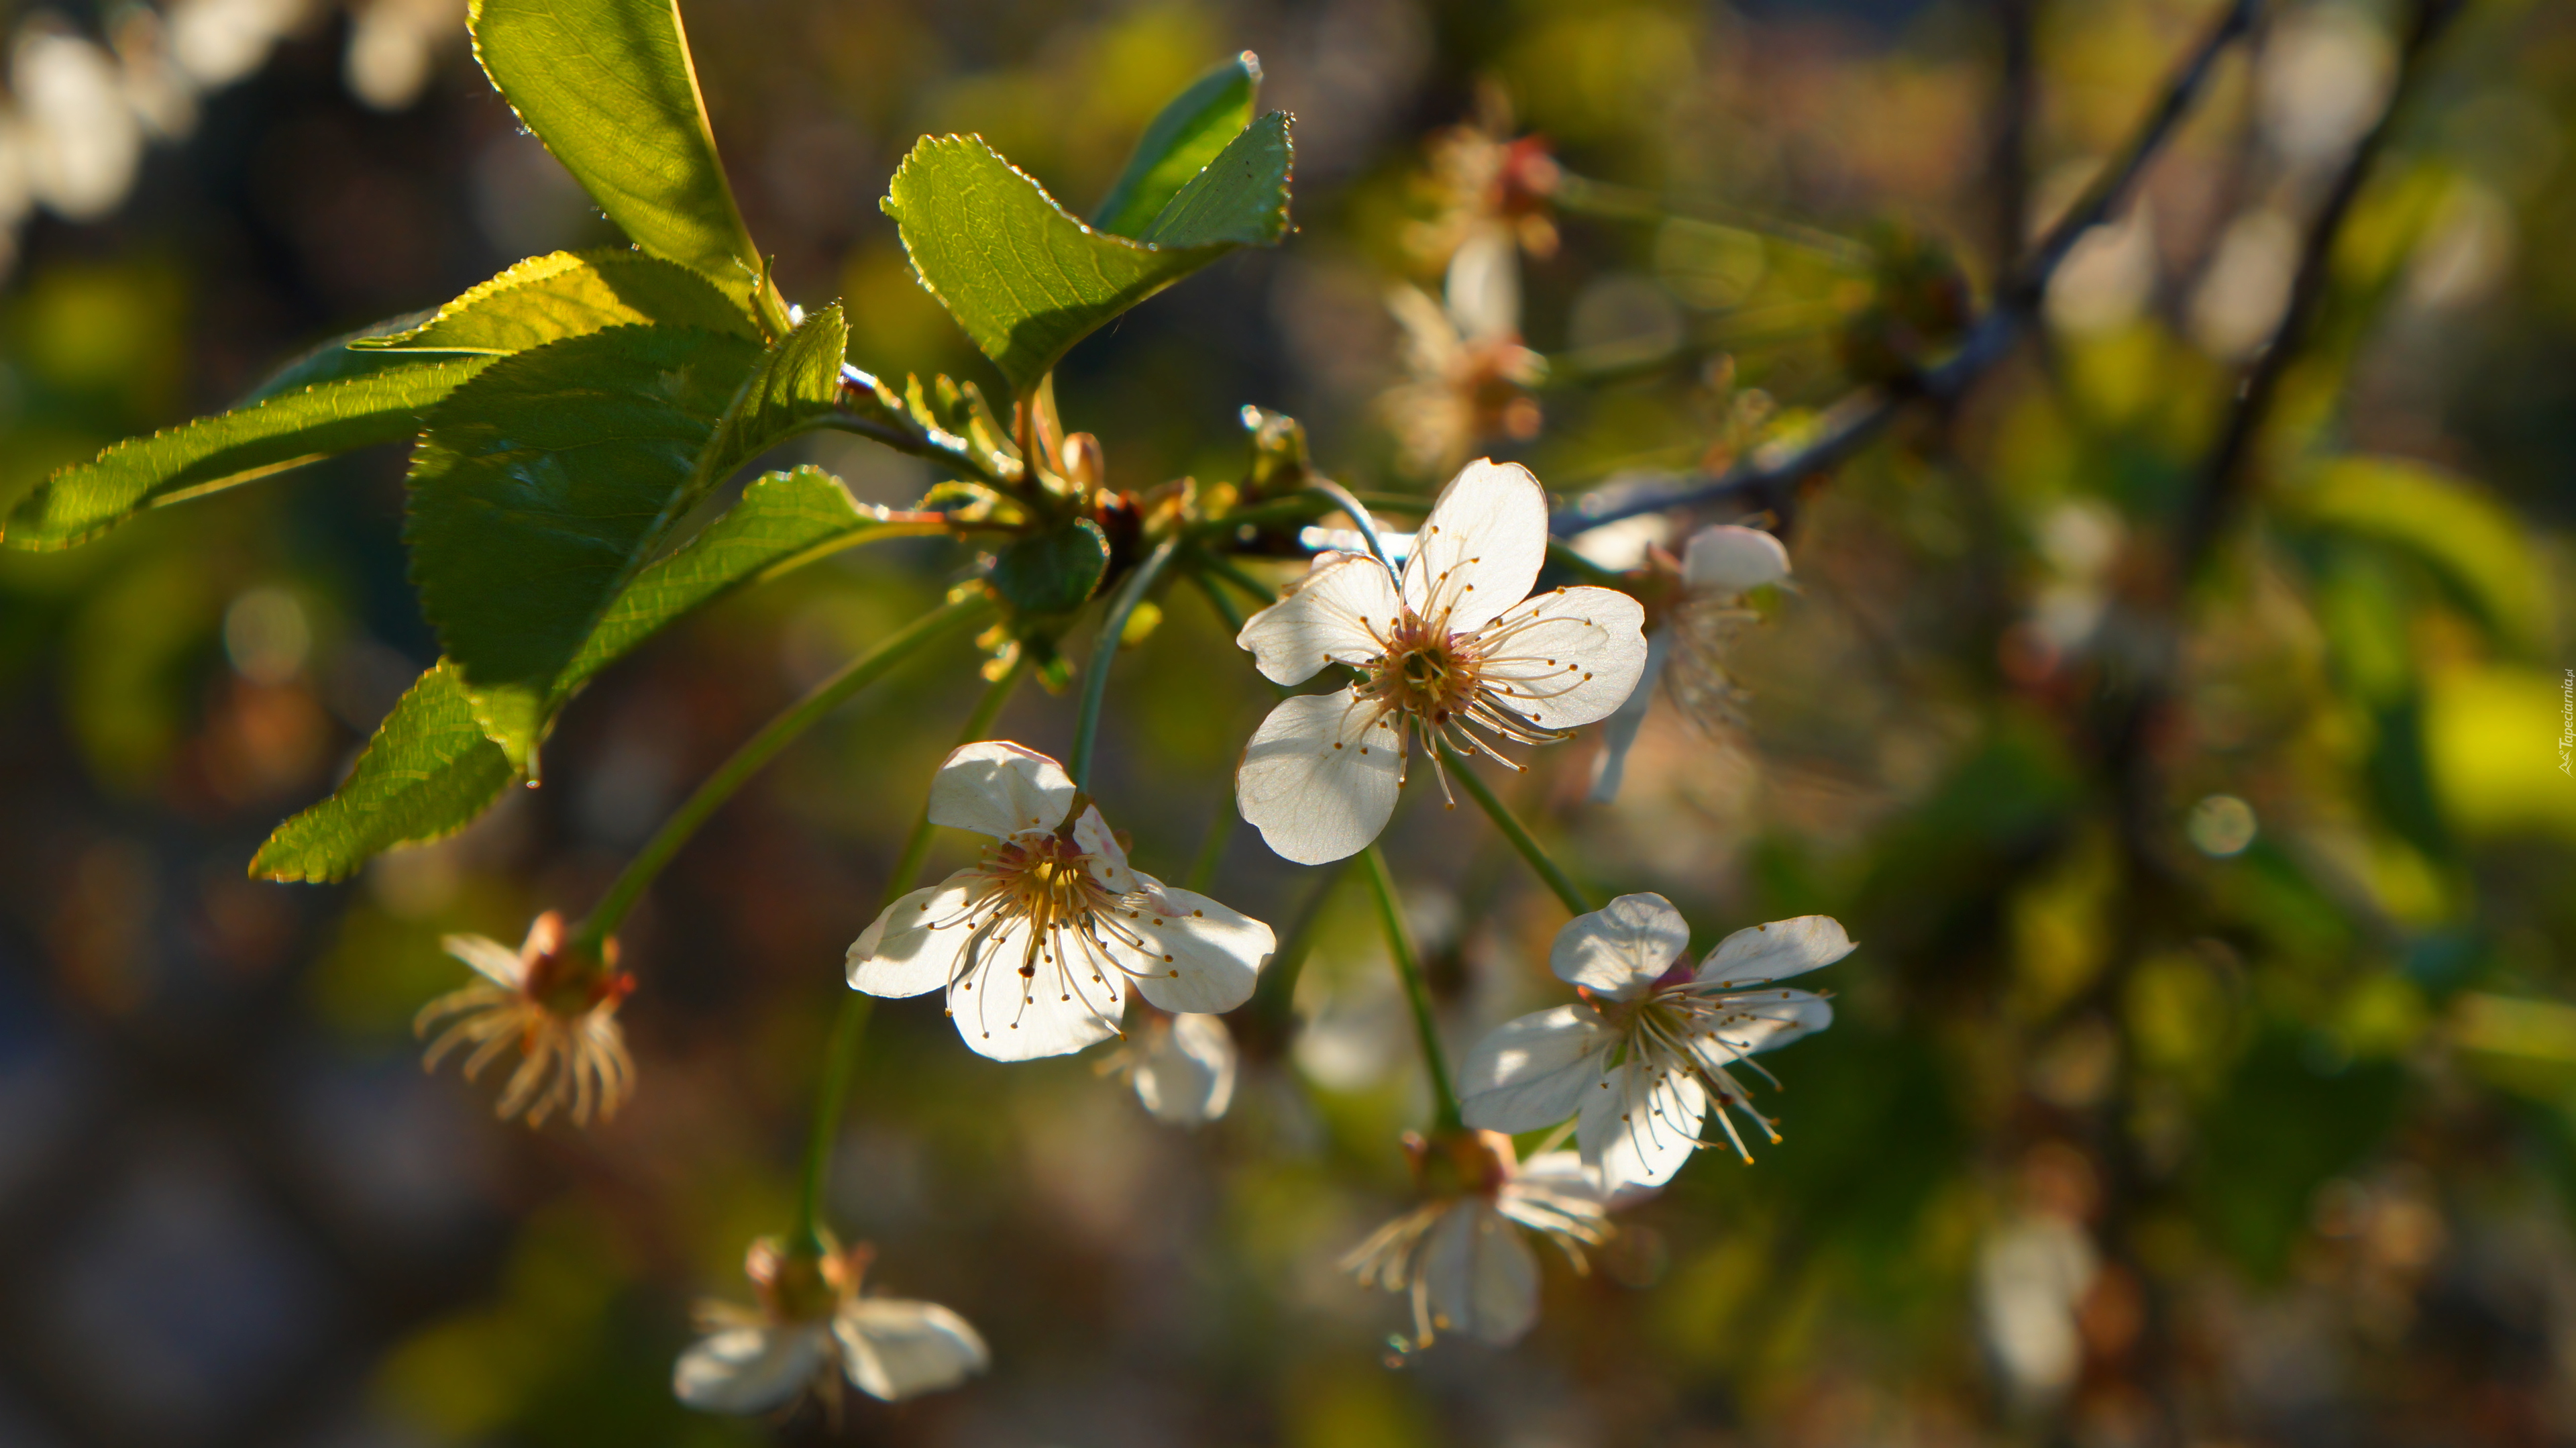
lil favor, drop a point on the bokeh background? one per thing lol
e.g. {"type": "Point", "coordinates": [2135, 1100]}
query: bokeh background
{"type": "Point", "coordinates": [2243, 1116]}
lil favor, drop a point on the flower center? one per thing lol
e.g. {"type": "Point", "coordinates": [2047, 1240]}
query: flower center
{"type": "Point", "coordinates": [1424, 672]}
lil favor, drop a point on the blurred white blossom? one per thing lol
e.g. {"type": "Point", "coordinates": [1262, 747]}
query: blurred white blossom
{"type": "Point", "coordinates": [1461, 1256]}
{"type": "Point", "coordinates": [1181, 1066]}
{"type": "Point", "coordinates": [813, 1329]}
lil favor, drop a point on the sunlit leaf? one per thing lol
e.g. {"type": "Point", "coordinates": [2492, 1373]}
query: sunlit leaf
{"type": "Point", "coordinates": [797, 384]}
{"type": "Point", "coordinates": [609, 87]}
{"type": "Point", "coordinates": [565, 294]}
{"type": "Point", "coordinates": [1179, 143]}
{"type": "Point", "coordinates": [783, 519]}
{"type": "Point", "coordinates": [2501, 752]}
{"type": "Point", "coordinates": [1053, 572]}
{"type": "Point", "coordinates": [337, 360]}
{"type": "Point", "coordinates": [426, 774]}
{"type": "Point", "coordinates": [212, 453]}
{"type": "Point", "coordinates": [1027, 281]}
{"type": "Point", "coordinates": [2479, 551]}
{"type": "Point", "coordinates": [539, 490]}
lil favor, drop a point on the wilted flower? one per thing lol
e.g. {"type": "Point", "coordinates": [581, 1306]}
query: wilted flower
{"type": "Point", "coordinates": [1460, 1254]}
{"type": "Point", "coordinates": [557, 1007]}
{"type": "Point", "coordinates": [1056, 908]}
{"type": "Point", "coordinates": [1699, 609]}
{"type": "Point", "coordinates": [1453, 649]}
{"type": "Point", "coordinates": [811, 1330]}
{"type": "Point", "coordinates": [1631, 1060]}
{"type": "Point", "coordinates": [1182, 1067]}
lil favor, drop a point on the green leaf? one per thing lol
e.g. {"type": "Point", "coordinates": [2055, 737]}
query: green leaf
{"type": "Point", "coordinates": [799, 381]}
{"type": "Point", "coordinates": [334, 361]}
{"type": "Point", "coordinates": [1027, 281]}
{"type": "Point", "coordinates": [609, 87]}
{"type": "Point", "coordinates": [426, 774]}
{"type": "Point", "coordinates": [1053, 572]}
{"type": "Point", "coordinates": [388, 404]}
{"type": "Point", "coordinates": [783, 519]}
{"type": "Point", "coordinates": [1179, 143]}
{"type": "Point", "coordinates": [565, 294]}
{"type": "Point", "coordinates": [2475, 546]}
{"type": "Point", "coordinates": [540, 489]}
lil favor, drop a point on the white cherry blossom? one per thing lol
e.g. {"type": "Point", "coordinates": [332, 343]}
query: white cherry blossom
{"type": "Point", "coordinates": [813, 1329]}
{"type": "Point", "coordinates": [1693, 627]}
{"type": "Point", "coordinates": [1452, 652]}
{"type": "Point", "coordinates": [1182, 1067]}
{"type": "Point", "coordinates": [1038, 943]}
{"type": "Point", "coordinates": [1461, 1256]}
{"type": "Point", "coordinates": [1638, 1059]}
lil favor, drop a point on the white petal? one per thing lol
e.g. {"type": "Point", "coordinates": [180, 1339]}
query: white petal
{"type": "Point", "coordinates": [1619, 949]}
{"type": "Point", "coordinates": [998, 788]}
{"type": "Point", "coordinates": [900, 954]}
{"type": "Point", "coordinates": [1108, 862]}
{"type": "Point", "coordinates": [1532, 1072]}
{"type": "Point", "coordinates": [1619, 735]}
{"type": "Point", "coordinates": [1480, 1275]}
{"type": "Point", "coordinates": [1555, 1192]}
{"type": "Point", "coordinates": [894, 1349]}
{"type": "Point", "coordinates": [1209, 954]}
{"type": "Point", "coordinates": [1320, 775]}
{"type": "Point", "coordinates": [1057, 1010]}
{"type": "Point", "coordinates": [1185, 1071]}
{"type": "Point", "coordinates": [1328, 620]}
{"type": "Point", "coordinates": [1640, 1127]}
{"type": "Point", "coordinates": [1770, 952]}
{"type": "Point", "coordinates": [1729, 560]}
{"type": "Point", "coordinates": [1480, 550]}
{"type": "Point", "coordinates": [1567, 657]}
{"type": "Point", "coordinates": [748, 1369]}
{"type": "Point", "coordinates": [1562, 1172]}
{"type": "Point", "coordinates": [1762, 1021]}
{"type": "Point", "coordinates": [491, 959]}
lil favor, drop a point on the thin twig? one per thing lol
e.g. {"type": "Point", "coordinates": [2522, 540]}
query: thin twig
{"type": "Point", "coordinates": [1768, 479]}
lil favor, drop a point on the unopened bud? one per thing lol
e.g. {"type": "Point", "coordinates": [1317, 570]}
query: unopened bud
{"type": "Point", "coordinates": [1085, 465]}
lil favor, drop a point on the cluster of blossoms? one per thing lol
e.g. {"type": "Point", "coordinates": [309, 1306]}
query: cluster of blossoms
{"type": "Point", "coordinates": [1052, 942]}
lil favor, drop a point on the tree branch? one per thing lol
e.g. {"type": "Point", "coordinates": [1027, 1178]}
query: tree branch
{"type": "Point", "coordinates": [1768, 479]}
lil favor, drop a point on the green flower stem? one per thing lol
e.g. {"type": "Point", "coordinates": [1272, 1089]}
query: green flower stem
{"type": "Point", "coordinates": [1358, 513]}
{"type": "Point", "coordinates": [850, 1024]}
{"type": "Point", "coordinates": [729, 777]}
{"type": "Point", "coordinates": [1212, 565]}
{"type": "Point", "coordinates": [1408, 968]}
{"type": "Point", "coordinates": [1095, 676]}
{"type": "Point", "coordinates": [1516, 832]}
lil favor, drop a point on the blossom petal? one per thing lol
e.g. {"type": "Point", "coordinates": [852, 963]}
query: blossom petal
{"type": "Point", "coordinates": [1059, 1008]}
{"type": "Point", "coordinates": [1480, 550]}
{"type": "Point", "coordinates": [1185, 1071]}
{"type": "Point", "coordinates": [1610, 766]}
{"type": "Point", "coordinates": [998, 788]}
{"type": "Point", "coordinates": [1531, 1072]}
{"type": "Point", "coordinates": [1779, 949]}
{"type": "Point", "coordinates": [1760, 1022]}
{"type": "Point", "coordinates": [1641, 1125]}
{"type": "Point", "coordinates": [904, 951]}
{"type": "Point", "coordinates": [1554, 1192]}
{"type": "Point", "coordinates": [1480, 1275]}
{"type": "Point", "coordinates": [1566, 657]}
{"type": "Point", "coordinates": [895, 1349]}
{"type": "Point", "coordinates": [1729, 560]}
{"type": "Point", "coordinates": [491, 959]}
{"type": "Point", "coordinates": [1621, 948]}
{"type": "Point", "coordinates": [1320, 775]}
{"type": "Point", "coordinates": [1335, 615]}
{"type": "Point", "coordinates": [748, 1369]}
{"type": "Point", "coordinates": [1210, 954]}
